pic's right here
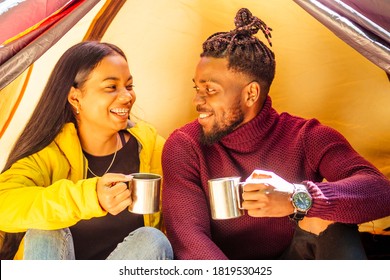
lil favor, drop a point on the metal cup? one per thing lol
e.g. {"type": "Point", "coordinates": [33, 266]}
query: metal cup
{"type": "Point", "coordinates": [225, 198]}
{"type": "Point", "coordinates": [145, 193]}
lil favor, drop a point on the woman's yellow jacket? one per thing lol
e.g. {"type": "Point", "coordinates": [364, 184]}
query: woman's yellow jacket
{"type": "Point", "coordinates": [48, 190]}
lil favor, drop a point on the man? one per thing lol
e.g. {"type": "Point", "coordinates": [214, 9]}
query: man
{"type": "Point", "coordinates": [306, 188]}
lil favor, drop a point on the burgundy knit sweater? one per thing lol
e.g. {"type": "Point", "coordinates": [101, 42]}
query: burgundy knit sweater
{"type": "Point", "coordinates": [344, 186]}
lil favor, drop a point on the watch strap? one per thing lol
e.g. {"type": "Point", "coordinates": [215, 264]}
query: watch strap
{"type": "Point", "coordinates": [297, 216]}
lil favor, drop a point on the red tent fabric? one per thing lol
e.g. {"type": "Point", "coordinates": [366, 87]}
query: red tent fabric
{"type": "Point", "coordinates": [17, 54]}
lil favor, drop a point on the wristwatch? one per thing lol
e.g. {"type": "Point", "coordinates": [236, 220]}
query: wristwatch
{"type": "Point", "coordinates": [301, 201]}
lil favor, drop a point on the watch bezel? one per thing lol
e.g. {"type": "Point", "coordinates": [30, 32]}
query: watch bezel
{"type": "Point", "coordinates": [300, 212]}
{"type": "Point", "coordinates": [302, 207]}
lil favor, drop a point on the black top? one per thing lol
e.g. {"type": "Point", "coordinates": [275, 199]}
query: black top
{"type": "Point", "coordinates": [96, 238]}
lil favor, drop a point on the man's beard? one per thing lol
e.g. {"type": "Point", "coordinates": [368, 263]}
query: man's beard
{"type": "Point", "coordinates": [217, 133]}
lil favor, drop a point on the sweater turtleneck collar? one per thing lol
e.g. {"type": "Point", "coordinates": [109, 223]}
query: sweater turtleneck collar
{"type": "Point", "coordinates": [255, 128]}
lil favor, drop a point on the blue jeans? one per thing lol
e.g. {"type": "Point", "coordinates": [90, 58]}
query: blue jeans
{"type": "Point", "coordinates": [145, 243]}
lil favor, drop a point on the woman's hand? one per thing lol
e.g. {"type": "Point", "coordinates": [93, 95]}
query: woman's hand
{"type": "Point", "coordinates": [267, 195]}
{"type": "Point", "coordinates": [113, 192]}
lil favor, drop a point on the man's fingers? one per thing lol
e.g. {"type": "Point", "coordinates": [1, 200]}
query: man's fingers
{"type": "Point", "coordinates": [261, 174]}
{"type": "Point", "coordinates": [257, 184]}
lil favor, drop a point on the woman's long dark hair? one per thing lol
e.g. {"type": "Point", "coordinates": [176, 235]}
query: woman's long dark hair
{"type": "Point", "coordinates": [53, 110]}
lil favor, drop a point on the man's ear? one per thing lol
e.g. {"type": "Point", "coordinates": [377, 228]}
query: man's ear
{"type": "Point", "coordinates": [252, 93]}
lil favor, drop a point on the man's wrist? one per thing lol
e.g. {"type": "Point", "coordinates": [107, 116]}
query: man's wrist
{"type": "Point", "coordinates": [301, 201]}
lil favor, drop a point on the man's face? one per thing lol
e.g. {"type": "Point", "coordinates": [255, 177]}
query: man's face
{"type": "Point", "coordinates": [219, 98]}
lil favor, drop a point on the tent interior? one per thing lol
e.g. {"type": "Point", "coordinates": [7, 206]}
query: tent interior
{"type": "Point", "coordinates": [318, 74]}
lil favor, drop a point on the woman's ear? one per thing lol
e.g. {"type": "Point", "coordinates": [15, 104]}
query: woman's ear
{"type": "Point", "coordinates": [73, 98]}
{"type": "Point", "coordinates": [252, 93]}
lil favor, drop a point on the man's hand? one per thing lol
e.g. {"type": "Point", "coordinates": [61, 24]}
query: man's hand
{"type": "Point", "coordinates": [267, 195]}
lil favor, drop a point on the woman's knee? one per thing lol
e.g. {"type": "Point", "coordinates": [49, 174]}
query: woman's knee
{"type": "Point", "coordinates": [154, 240]}
{"type": "Point", "coordinates": [144, 243]}
{"type": "Point", "coordinates": [59, 234]}
{"type": "Point", "coordinates": [48, 244]}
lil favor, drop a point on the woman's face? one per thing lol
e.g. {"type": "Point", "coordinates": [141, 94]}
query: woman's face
{"type": "Point", "coordinates": [107, 96]}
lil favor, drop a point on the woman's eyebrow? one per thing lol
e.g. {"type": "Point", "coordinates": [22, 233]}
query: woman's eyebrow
{"type": "Point", "coordinates": [116, 78]}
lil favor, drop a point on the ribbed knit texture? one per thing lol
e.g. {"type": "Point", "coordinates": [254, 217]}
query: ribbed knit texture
{"type": "Point", "coordinates": [298, 150]}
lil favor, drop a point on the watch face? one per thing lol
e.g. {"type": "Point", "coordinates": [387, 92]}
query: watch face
{"type": "Point", "coordinates": [302, 201]}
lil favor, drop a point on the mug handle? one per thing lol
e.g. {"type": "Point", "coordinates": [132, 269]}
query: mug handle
{"type": "Point", "coordinates": [239, 191]}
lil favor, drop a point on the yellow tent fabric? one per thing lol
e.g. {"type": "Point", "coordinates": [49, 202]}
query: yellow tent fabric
{"type": "Point", "coordinates": [317, 75]}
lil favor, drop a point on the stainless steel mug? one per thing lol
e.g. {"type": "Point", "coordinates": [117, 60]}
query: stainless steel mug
{"type": "Point", "coordinates": [145, 193]}
{"type": "Point", "coordinates": [225, 198]}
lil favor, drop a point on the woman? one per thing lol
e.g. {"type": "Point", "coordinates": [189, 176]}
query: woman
{"type": "Point", "coordinates": [64, 182]}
